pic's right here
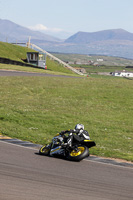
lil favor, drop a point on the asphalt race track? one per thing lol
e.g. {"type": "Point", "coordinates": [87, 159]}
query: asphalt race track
{"type": "Point", "coordinates": [20, 73]}
{"type": "Point", "coordinates": [25, 175]}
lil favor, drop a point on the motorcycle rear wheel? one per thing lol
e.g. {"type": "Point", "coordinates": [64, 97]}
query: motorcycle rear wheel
{"type": "Point", "coordinates": [79, 154]}
{"type": "Point", "coordinates": [44, 150]}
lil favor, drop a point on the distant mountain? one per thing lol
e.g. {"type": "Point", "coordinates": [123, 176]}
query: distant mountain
{"type": "Point", "coordinates": [11, 32]}
{"type": "Point", "coordinates": [106, 35]}
{"type": "Point", "coordinates": [114, 42]}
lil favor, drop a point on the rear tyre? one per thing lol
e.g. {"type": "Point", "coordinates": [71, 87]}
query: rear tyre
{"type": "Point", "coordinates": [45, 150]}
{"type": "Point", "coordinates": [79, 154]}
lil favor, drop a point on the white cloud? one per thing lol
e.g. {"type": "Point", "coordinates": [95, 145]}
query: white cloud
{"type": "Point", "coordinates": [41, 27]}
{"type": "Point", "coordinates": [56, 32]}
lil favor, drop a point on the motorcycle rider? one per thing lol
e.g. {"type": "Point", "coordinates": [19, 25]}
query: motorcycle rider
{"type": "Point", "coordinates": [80, 135]}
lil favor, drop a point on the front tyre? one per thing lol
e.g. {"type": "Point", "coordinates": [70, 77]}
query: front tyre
{"type": "Point", "coordinates": [78, 154]}
{"type": "Point", "coordinates": [45, 150]}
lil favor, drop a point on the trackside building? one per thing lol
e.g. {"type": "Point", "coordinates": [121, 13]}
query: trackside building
{"type": "Point", "coordinates": [122, 73]}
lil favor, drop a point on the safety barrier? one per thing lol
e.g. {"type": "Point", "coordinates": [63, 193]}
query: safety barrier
{"type": "Point", "coordinates": [33, 46]}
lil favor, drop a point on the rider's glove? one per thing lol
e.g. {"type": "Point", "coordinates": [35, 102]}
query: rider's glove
{"type": "Point", "coordinates": [80, 132]}
{"type": "Point", "coordinates": [62, 132]}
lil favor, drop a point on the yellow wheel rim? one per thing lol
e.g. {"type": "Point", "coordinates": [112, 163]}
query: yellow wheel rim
{"type": "Point", "coordinates": [77, 153]}
{"type": "Point", "coordinates": [44, 150]}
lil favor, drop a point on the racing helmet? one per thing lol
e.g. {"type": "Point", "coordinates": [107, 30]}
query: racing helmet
{"type": "Point", "coordinates": [79, 127]}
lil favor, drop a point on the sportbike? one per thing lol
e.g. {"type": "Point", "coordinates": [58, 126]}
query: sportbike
{"type": "Point", "coordinates": [77, 152]}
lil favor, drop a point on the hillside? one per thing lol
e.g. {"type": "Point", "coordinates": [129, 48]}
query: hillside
{"type": "Point", "coordinates": [13, 32]}
{"type": "Point", "coordinates": [107, 35]}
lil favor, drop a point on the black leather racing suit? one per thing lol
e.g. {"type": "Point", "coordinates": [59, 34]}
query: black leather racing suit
{"type": "Point", "coordinates": [79, 136]}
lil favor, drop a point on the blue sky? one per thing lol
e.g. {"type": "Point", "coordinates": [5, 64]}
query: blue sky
{"type": "Point", "coordinates": [63, 18]}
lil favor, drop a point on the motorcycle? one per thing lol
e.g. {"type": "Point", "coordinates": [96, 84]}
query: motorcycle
{"type": "Point", "coordinates": [77, 152]}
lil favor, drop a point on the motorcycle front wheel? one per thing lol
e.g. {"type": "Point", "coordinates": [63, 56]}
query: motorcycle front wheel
{"type": "Point", "coordinates": [78, 154]}
{"type": "Point", "coordinates": [44, 150]}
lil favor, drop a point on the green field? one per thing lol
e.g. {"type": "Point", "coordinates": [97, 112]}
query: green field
{"type": "Point", "coordinates": [107, 60]}
{"type": "Point", "coordinates": [36, 108]}
{"type": "Point", "coordinates": [98, 69]}
{"type": "Point", "coordinates": [109, 64]}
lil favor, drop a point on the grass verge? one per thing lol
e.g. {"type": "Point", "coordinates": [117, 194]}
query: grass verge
{"type": "Point", "coordinates": [36, 108]}
{"type": "Point", "coordinates": [37, 70]}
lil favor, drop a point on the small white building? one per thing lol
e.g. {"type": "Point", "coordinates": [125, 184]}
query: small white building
{"type": "Point", "coordinates": [122, 73]}
{"type": "Point", "coordinates": [99, 60]}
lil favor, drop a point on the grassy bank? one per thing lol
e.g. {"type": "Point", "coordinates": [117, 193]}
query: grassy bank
{"type": "Point", "coordinates": [36, 108]}
{"type": "Point", "coordinates": [13, 52]}
{"type": "Point", "coordinates": [19, 53]}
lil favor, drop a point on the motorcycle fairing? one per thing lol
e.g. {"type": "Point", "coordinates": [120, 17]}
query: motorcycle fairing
{"type": "Point", "coordinates": [89, 143]}
{"type": "Point", "coordinates": [57, 150]}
